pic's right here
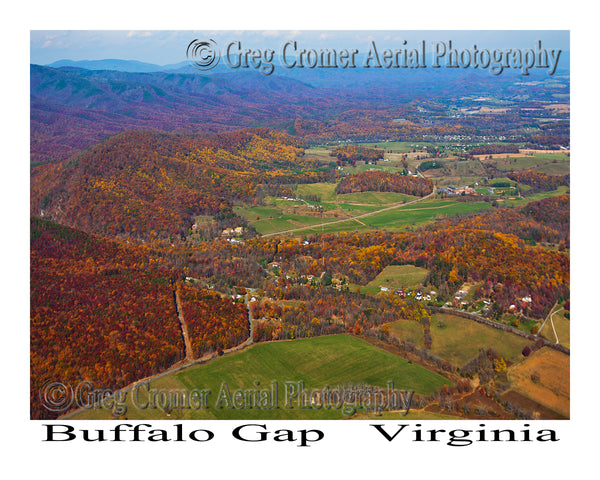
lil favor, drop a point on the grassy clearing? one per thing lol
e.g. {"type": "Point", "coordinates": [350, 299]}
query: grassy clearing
{"type": "Point", "coordinates": [421, 213]}
{"type": "Point", "coordinates": [374, 198]}
{"type": "Point", "coordinates": [460, 340]}
{"type": "Point", "coordinates": [255, 213]}
{"type": "Point", "coordinates": [402, 217]}
{"type": "Point", "coordinates": [326, 191]}
{"type": "Point", "coordinates": [534, 197]}
{"type": "Point", "coordinates": [335, 360]}
{"type": "Point", "coordinates": [284, 222]}
{"type": "Point", "coordinates": [552, 390]}
{"type": "Point", "coordinates": [354, 210]}
{"type": "Point", "coordinates": [280, 215]}
{"type": "Point", "coordinates": [562, 326]}
{"type": "Point", "coordinates": [408, 330]}
{"type": "Point", "coordinates": [399, 276]}
{"type": "Point", "coordinates": [550, 163]}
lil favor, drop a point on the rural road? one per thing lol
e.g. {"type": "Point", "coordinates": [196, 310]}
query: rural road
{"type": "Point", "coordinates": [392, 207]}
{"type": "Point", "coordinates": [189, 354]}
{"type": "Point", "coordinates": [188, 361]}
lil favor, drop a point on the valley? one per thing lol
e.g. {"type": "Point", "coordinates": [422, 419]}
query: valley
{"type": "Point", "coordinates": [192, 230]}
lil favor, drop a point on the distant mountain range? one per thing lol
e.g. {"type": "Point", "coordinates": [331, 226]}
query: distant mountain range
{"type": "Point", "coordinates": [117, 65]}
{"type": "Point", "coordinates": [77, 103]}
{"type": "Point", "coordinates": [72, 108]}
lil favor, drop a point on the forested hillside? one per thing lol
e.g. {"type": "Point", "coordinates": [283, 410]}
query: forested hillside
{"type": "Point", "coordinates": [144, 184]}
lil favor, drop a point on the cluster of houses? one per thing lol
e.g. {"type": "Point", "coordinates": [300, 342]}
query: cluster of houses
{"type": "Point", "coordinates": [292, 199]}
{"type": "Point", "coordinates": [521, 305]}
{"type": "Point", "coordinates": [233, 232]}
{"type": "Point", "coordinates": [419, 295]}
{"type": "Point", "coordinates": [457, 190]}
{"type": "Point", "coordinates": [457, 301]}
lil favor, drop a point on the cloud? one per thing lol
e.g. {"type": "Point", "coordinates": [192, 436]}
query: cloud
{"type": "Point", "coordinates": [270, 33]}
{"type": "Point", "coordinates": [135, 33]}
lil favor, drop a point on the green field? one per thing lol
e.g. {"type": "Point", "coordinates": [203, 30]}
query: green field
{"type": "Point", "coordinates": [549, 163]}
{"type": "Point", "coordinates": [284, 222]}
{"type": "Point", "coordinates": [334, 361]}
{"type": "Point", "coordinates": [422, 212]}
{"type": "Point", "coordinates": [408, 330]}
{"type": "Point", "coordinates": [282, 215]}
{"type": "Point", "coordinates": [324, 190]}
{"type": "Point", "coordinates": [272, 219]}
{"type": "Point", "coordinates": [562, 329]}
{"type": "Point", "coordinates": [374, 198]}
{"type": "Point", "coordinates": [401, 217]}
{"type": "Point", "coordinates": [397, 276]}
{"type": "Point", "coordinates": [534, 197]}
{"type": "Point", "coordinates": [462, 339]}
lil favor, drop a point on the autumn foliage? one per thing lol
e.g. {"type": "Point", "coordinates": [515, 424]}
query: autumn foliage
{"type": "Point", "coordinates": [146, 184]}
{"type": "Point", "coordinates": [99, 312]}
{"type": "Point", "coordinates": [212, 322]}
{"type": "Point", "coordinates": [105, 313]}
{"type": "Point", "coordinates": [495, 148]}
{"type": "Point", "coordinates": [378, 181]}
{"type": "Point", "coordinates": [539, 181]}
{"type": "Point", "coordinates": [352, 153]}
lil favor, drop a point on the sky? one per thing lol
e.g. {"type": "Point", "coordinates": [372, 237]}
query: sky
{"type": "Point", "coordinates": [163, 47]}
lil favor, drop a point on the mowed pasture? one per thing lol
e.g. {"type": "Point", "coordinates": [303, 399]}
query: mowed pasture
{"type": "Point", "coordinates": [408, 330]}
{"type": "Point", "coordinates": [460, 340]}
{"type": "Point", "coordinates": [396, 277]}
{"type": "Point", "coordinates": [386, 210]}
{"type": "Point", "coordinates": [548, 163]}
{"type": "Point", "coordinates": [400, 217]}
{"type": "Point", "coordinates": [335, 361]}
{"type": "Point", "coordinates": [346, 212]}
{"type": "Point", "coordinates": [552, 387]}
{"type": "Point", "coordinates": [558, 330]}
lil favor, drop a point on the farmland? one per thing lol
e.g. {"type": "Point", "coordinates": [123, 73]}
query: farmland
{"type": "Point", "coordinates": [353, 216]}
{"type": "Point", "coordinates": [558, 329]}
{"type": "Point", "coordinates": [396, 277]}
{"type": "Point", "coordinates": [458, 340]}
{"type": "Point", "coordinates": [319, 208]}
{"type": "Point", "coordinates": [300, 234]}
{"type": "Point", "coordinates": [449, 341]}
{"type": "Point", "coordinates": [348, 360]}
{"type": "Point", "coordinates": [544, 378]}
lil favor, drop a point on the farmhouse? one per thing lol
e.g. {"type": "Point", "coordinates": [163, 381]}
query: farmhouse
{"type": "Point", "coordinates": [457, 190]}
{"type": "Point", "coordinates": [230, 232]}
